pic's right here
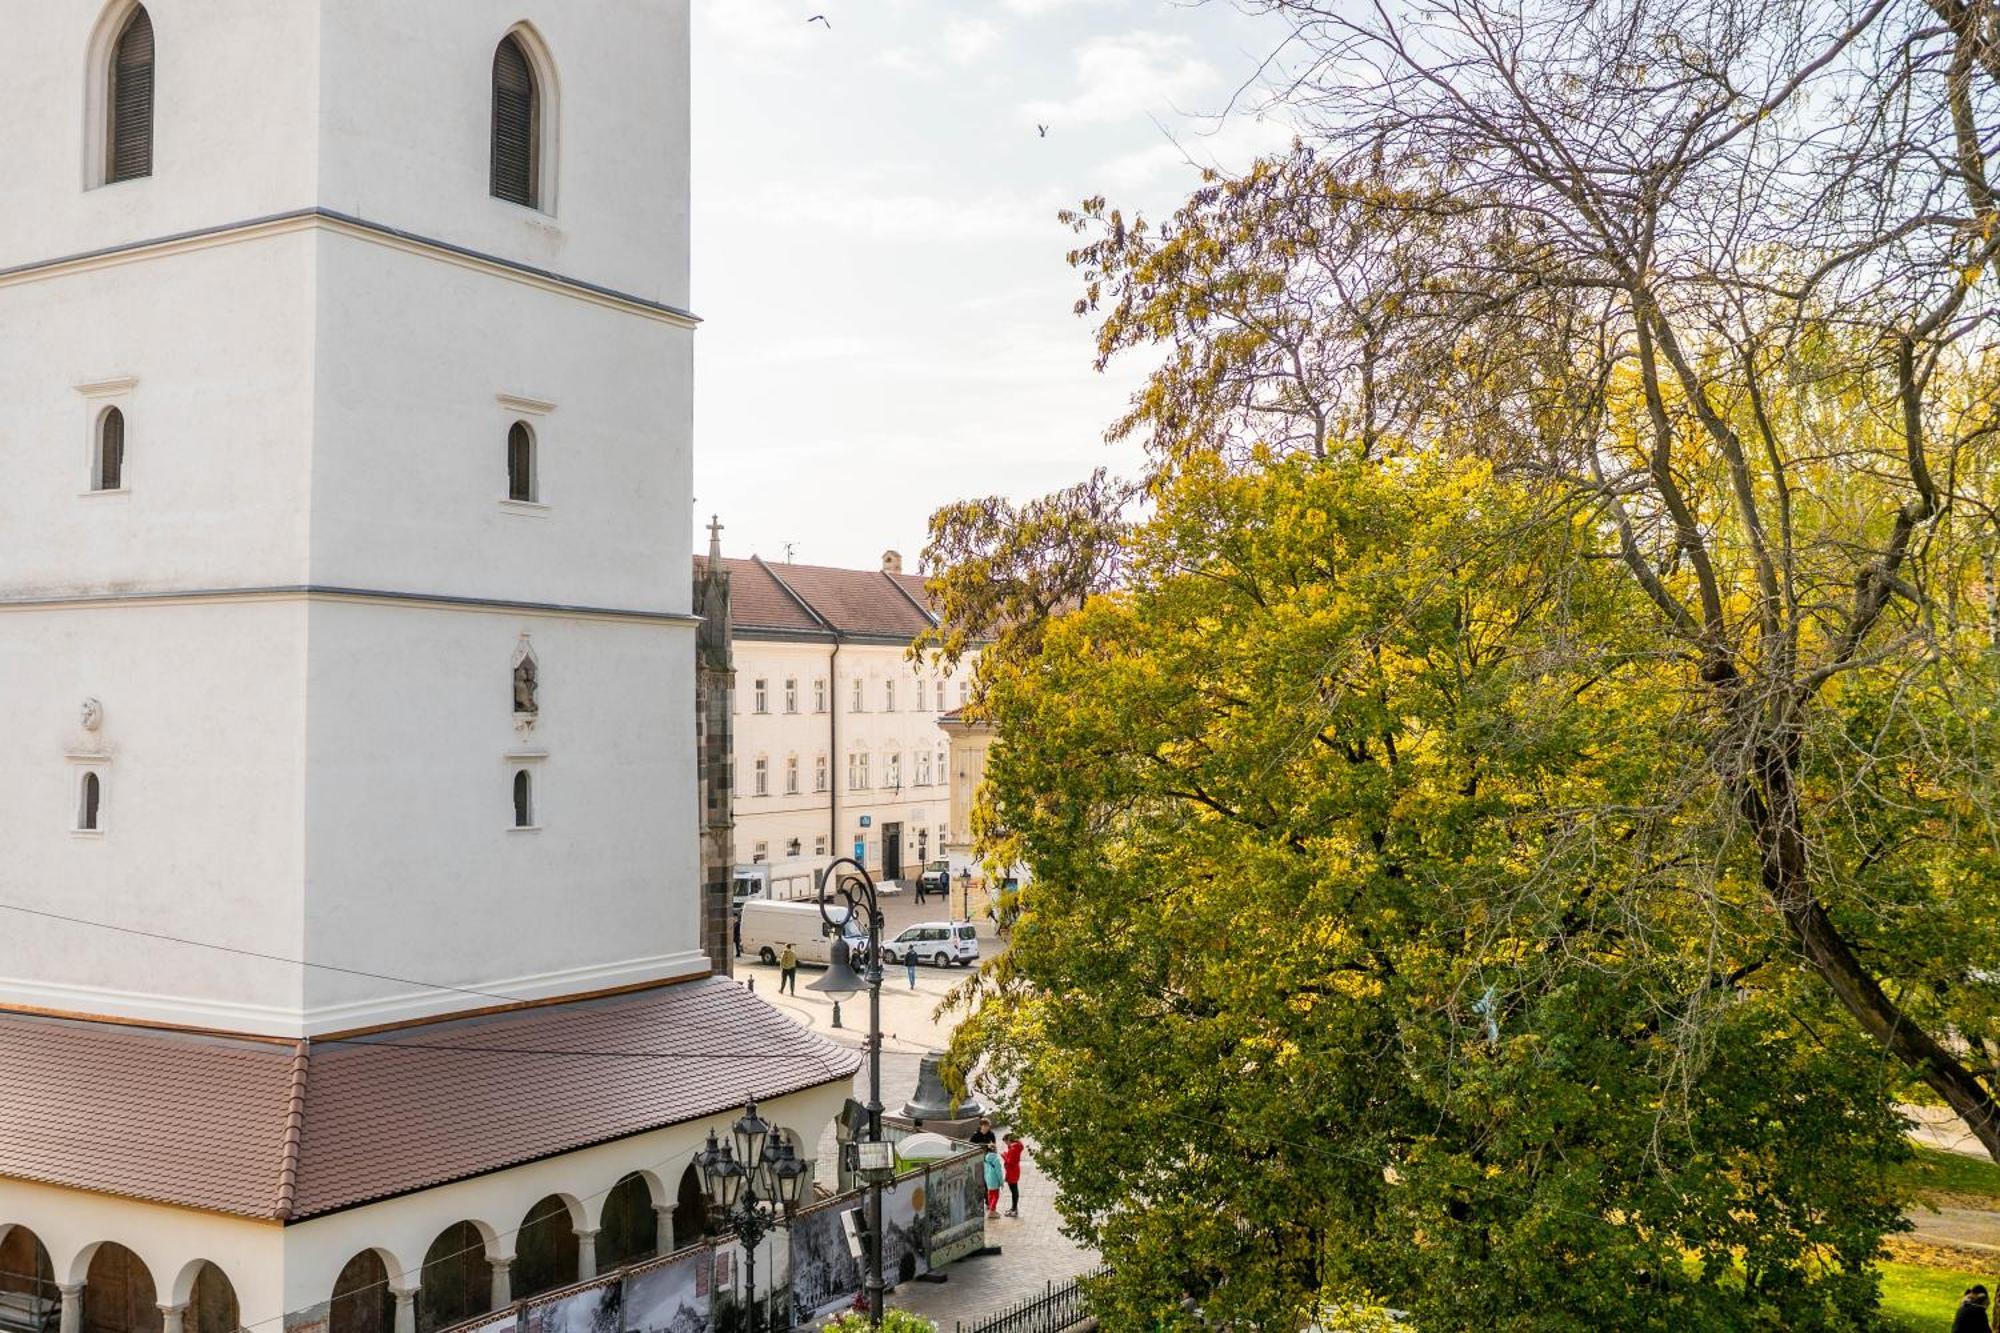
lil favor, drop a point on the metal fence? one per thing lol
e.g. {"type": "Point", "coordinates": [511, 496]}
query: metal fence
{"type": "Point", "coordinates": [1057, 1308]}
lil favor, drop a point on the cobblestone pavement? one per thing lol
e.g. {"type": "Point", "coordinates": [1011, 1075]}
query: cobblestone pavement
{"type": "Point", "coordinates": [1033, 1250]}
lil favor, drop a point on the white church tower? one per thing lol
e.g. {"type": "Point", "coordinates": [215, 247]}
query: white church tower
{"type": "Point", "coordinates": [346, 663]}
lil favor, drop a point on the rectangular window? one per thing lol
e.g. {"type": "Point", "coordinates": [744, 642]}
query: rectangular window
{"type": "Point", "coordinates": [964, 692]}
{"type": "Point", "coordinates": [819, 696]}
{"type": "Point", "coordinates": [819, 773]}
{"type": "Point", "coordinates": [940, 696]}
{"type": "Point", "coordinates": [888, 696]}
{"type": "Point", "coordinates": [791, 694]}
{"type": "Point", "coordinates": [857, 772]}
{"type": "Point", "coordinates": [864, 772]}
{"type": "Point", "coordinates": [762, 697]}
{"type": "Point", "coordinates": [892, 772]}
{"type": "Point", "coordinates": [924, 769]}
{"type": "Point", "coordinates": [762, 786]}
{"type": "Point", "coordinates": [761, 855]}
{"type": "Point", "coordinates": [859, 685]}
{"type": "Point", "coordinates": [792, 777]}
{"type": "Point", "coordinates": [819, 845]}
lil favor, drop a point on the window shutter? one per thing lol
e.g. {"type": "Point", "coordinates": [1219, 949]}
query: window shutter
{"type": "Point", "coordinates": [111, 452]}
{"type": "Point", "coordinates": [131, 118]}
{"type": "Point", "coordinates": [513, 125]}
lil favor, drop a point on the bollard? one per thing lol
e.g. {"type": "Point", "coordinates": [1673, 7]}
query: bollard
{"type": "Point", "coordinates": [836, 1013]}
{"type": "Point", "coordinates": [752, 983]}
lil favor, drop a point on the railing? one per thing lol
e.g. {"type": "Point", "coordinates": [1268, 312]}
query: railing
{"type": "Point", "coordinates": [1057, 1308]}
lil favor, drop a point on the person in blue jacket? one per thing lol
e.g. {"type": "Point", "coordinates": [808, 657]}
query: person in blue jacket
{"type": "Point", "coordinates": [996, 1176]}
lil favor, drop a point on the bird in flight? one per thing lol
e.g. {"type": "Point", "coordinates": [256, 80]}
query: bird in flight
{"type": "Point", "coordinates": [1044, 129]}
{"type": "Point", "coordinates": [821, 18]}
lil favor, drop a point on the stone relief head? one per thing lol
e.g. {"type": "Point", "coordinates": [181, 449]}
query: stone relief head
{"type": "Point", "coordinates": [92, 715]}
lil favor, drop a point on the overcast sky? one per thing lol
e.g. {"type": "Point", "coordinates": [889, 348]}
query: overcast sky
{"type": "Point", "coordinates": [877, 256]}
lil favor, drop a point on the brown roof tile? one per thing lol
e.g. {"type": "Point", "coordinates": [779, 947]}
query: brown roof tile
{"type": "Point", "coordinates": [758, 601]}
{"type": "Point", "coordinates": [203, 1122]}
{"type": "Point", "coordinates": [857, 601]}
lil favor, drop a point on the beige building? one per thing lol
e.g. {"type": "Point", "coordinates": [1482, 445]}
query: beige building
{"type": "Point", "coordinates": [837, 747]}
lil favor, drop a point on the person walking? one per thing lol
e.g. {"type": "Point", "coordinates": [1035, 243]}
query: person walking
{"type": "Point", "coordinates": [788, 971]}
{"type": "Point", "coordinates": [1971, 1317]}
{"type": "Point", "coordinates": [1010, 1162]}
{"type": "Point", "coordinates": [996, 1175]}
{"type": "Point", "coordinates": [736, 932]}
{"type": "Point", "coordinates": [910, 963]}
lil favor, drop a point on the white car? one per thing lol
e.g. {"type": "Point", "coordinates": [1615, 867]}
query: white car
{"type": "Point", "coordinates": [939, 943]}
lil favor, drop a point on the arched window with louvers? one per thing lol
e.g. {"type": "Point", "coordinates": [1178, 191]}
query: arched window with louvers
{"type": "Point", "coordinates": [128, 148]}
{"type": "Point", "coordinates": [518, 115]}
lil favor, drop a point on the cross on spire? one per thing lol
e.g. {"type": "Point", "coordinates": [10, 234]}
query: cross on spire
{"type": "Point", "coordinates": [715, 537]}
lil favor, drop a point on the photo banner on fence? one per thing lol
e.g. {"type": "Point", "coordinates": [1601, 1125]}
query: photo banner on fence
{"type": "Point", "coordinates": [824, 1274]}
{"type": "Point", "coordinates": [595, 1309]}
{"type": "Point", "coordinates": [905, 1229]}
{"type": "Point", "coordinates": [674, 1296]}
{"type": "Point", "coordinates": [955, 1209]}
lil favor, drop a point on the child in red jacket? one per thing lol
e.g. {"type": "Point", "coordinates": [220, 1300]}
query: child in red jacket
{"type": "Point", "coordinates": [1010, 1163]}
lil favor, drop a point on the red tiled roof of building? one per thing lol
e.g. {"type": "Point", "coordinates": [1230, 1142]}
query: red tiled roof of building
{"type": "Point", "coordinates": [855, 601]}
{"type": "Point", "coordinates": [758, 601]}
{"type": "Point", "coordinates": [203, 1122]}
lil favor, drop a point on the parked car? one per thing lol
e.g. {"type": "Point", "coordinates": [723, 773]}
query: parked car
{"type": "Point", "coordinates": [769, 926]}
{"type": "Point", "coordinates": [939, 943]}
{"type": "Point", "coordinates": [935, 879]}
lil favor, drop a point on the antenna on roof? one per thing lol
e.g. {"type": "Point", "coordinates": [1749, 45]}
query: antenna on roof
{"type": "Point", "coordinates": [790, 549]}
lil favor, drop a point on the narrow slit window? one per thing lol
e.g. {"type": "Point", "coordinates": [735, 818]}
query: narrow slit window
{"type": "Point", "coordinates": [108, 474]}
{"type": "Point", "coordinates": [521, 463]}
{"type": "Point", "coordinates": [516, 126]}
{"type": "Point", "coordinates": [90, 804]}
{"type": "Point", "coordinates": [129, 146]}
{"type": "Point", "coordinates": [524, 799]}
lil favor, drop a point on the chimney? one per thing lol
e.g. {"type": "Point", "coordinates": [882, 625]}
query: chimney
{"type": "Point", "coordinates": [892, 562]}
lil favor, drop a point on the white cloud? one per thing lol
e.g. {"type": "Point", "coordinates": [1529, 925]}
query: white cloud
{"type": "Point", "coordinates": [965, 40]}
{"type": "Point", "coordinates": [882, 215]}
{"type": "Point", "coordinates": [1123, 76]}
{"type": "Point", "coordinates": [1037, 8]}
{"type": "Point", "coordinates": [760, 25]}
{"type": "Point", "coordinates": [1231, 147]}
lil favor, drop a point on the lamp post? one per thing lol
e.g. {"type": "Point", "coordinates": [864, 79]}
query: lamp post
{"type": "Point", "coordinates": [965, 892]}
{"type": "Point", "coordinates": [754, 1181]}
{"type": "Point", "coordinates": [845, 890]}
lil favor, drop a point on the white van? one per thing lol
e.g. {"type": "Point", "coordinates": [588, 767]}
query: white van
{"type": "Point", "coordinates": [769, 926]}
{"type": "Point", "coordinates": [939, 943]}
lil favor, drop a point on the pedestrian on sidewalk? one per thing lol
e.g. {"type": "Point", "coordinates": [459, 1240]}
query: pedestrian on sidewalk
{"type": "Point", "coordinates": [1010, 1162]}
{"type": "Point", "coordinates": [788, 971]}
{"type": "Point", "coordinates": [910, 963]}
{"type": "Point", "coordinates": [736, 931]}
{"type": "Point", "coordinates": [1971, 1317]}
{"type": "Point", "coordinates": [996, 1175]}
{"type": "Point", "coordinates": [983, 1136]}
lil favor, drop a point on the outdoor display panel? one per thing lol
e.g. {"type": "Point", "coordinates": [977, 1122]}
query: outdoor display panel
{"type": "Point", "coordinates": [673, 1296]}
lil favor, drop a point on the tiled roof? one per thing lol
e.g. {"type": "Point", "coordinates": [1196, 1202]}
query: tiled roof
{"type": "Point", "coordinates": [856, 601]}
{"type": "Point", "coordinates": [202, 1122]}
{"type": "Point", "coordinates": [758, 601]}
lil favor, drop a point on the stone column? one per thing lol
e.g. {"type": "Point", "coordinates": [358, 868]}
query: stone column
{"type": "Point", "coordinates": [406, 1309]}
{"type": "Point", "coordinates": [586, 1254]}
{"type": "Point", "coordinates": [171, 1318]}
{"type": "Point", "coordinates": [72, 1307]}
{"type": "Point", "coordinates": [663, 1243]}
{"type": "Point", "coordinates": [503, 1282]}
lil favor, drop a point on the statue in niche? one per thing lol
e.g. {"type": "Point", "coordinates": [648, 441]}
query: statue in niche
{"type": "Point", "coordinates": [525, 687]}
{"type": "Point", "coordinates": [93, 715]}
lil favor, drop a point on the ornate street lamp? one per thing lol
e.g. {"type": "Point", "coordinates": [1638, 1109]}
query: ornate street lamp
{"type": "Point", "coordinates": [846, 884]}
{"type": "Point", "coordinates": [753, 1182]}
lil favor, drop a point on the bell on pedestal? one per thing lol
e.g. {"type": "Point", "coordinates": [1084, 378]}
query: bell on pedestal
{"type": "Point", "coordinates": [932, 1102]}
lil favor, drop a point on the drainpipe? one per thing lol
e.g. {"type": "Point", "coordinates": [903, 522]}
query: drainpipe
{"type": "Point", "coordinates": [833, 767]}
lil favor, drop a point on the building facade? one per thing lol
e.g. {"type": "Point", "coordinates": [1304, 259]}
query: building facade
{"type": "Point", "coordinates": [347, 664]}
{"type": "Point", "coordinates": [837, 747]}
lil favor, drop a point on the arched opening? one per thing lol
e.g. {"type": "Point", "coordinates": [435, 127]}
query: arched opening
{"type": "Point", "coordinates": [211, 1306]}
{"type": "Point", "coordinates": [458, 1282]}
{"type": "Point", "coordinates": [517, 125]}
{"type": "Point", "coordinates": [521, 462]}
{"type": "Point", "coordinates": [128, 149]}
{"type": "Point", "coordinates": [118, 1294]}
{"type": "Point", "coordinates": [27, 1277]}
{"type": "Point", "coordinates": [362, 1301]}
{"type": "Point", "coordinates": [545, 1248]}
{"type": "Point", "coordinates": [90, 804]}
{"type": "Point", "coordinates": [690, 1210]}
{"type": "Point", "coordinates": [107, 468]}
{"type": "Point", "coordinates": [524, 799]}
{"type": "Point", "coordinates": [630, 1230]}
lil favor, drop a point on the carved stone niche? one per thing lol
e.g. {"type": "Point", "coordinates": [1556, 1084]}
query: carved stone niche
{"type": "Point", "coordinates": [527, 686]}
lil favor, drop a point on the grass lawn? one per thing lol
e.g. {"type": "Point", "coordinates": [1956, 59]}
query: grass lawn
{"type": "Point", "coordinates": [1935, 1173]}
{"type": "Point", "coordinates": [1923, 1300]}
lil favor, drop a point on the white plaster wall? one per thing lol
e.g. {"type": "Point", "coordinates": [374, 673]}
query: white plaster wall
{"type": "Point", "coordinates": [410, 462]}
{"type": "Point", "coordinates": [413, 868]}
{"type": "Point", "coordinates": [218, 425]}
{"type": "Point", "coordinates": [406, 114]}
{"type": "Point", "coordinates": [203, 809]}
{"type": "Point", "coordinates": [170, 1241]}
{"type": "Point", "coordinates": [236, 99]}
